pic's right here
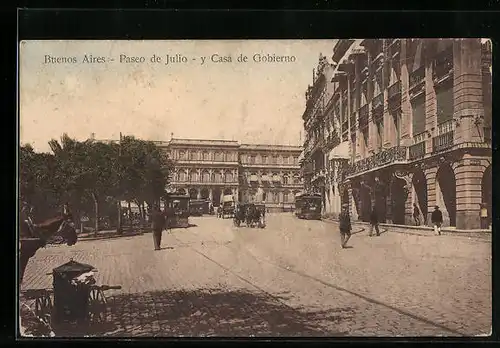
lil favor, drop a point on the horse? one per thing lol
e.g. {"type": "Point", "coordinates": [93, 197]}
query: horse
{"type": "Point", "coordinates": [32, 238]}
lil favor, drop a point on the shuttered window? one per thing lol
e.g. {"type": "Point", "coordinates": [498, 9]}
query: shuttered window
{"type": "Point", "coordinates": [444, 99]}
{"type": "Point", "coordinates": [418, 115]}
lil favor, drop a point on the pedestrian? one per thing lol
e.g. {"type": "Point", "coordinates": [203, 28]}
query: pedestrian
{"type": "Point", "coordinates": [344, 225]}
{"type": "Point", "coordinates": [437, 220]}
{"type": "Point", "coordinates": [374, 222]}
{"type": "Point", "coordinates": [416, 214]}
{"type": "Point", "coordinates": [483, 213]}
{"type": "Point", "coordinates": [158, 223]}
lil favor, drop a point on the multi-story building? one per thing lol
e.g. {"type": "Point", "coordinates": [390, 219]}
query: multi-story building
{"type": "Point", "coordinates": [209, 169]}
{"type": "Point", "coordinates": [413, 119]}
{"type": "Point", "coordinates": [205, 169]}
{"type": "Point", "coordinates": [270, 174]}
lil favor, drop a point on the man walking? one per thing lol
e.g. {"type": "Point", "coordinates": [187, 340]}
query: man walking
{"type": "Point", "coordinates": [437, 220]}
{"type": "Point", "coordinates": [158, 223]}
{"type": "Point", "coordinates": [416, 214]}
{"type": "Point", "coordinates": [374, 222]}
{"type": "Point", "coordinates": [344, 225]}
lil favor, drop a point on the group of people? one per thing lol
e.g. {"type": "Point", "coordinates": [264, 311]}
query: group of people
{"type": "Point", "coordinates": [346, 228]}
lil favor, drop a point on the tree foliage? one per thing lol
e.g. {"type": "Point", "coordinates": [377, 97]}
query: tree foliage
{"type": "Point", "coordinates": [89, 174]}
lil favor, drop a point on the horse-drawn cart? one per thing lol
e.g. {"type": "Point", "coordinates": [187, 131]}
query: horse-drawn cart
{"type": "Point", "coordinates": [74, 298]}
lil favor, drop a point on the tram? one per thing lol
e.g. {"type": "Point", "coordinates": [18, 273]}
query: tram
{"type": "Point", "coordinates": [180, 205]}
{"type": "Point", "coordinates": [308, 206]}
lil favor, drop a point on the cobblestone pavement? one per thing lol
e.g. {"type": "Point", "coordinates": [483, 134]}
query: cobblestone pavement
{"type": "Point", "coordinates": [291, 278]}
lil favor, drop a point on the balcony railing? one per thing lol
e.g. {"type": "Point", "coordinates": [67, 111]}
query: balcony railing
{"type": "Point", "coordinates": [394, 154]}
{"type": "Point", "coordinates": [442, 142]}
{"type": "Point", "coordinates": [417, 151]}
{"type": "Point", "coordinates": [417, 78]}
{"type": "Point", "coordinates": [394, 90]}
{"type": "Point", "coordinates": [442, 70]}
{"type": "Point", "coordinates": [378, 101]}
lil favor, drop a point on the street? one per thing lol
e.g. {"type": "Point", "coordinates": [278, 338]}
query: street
{"type": "Point", "coordinates": [291, 278]}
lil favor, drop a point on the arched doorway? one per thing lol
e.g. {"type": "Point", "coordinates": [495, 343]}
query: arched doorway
{"type": "Point", "coordinates": [193, 193]}
{"type": "Point", "coordinates": [446, 193]}
{"type": "Point", "coordinates": [486, 189]}
{"type": "Point", "coordinates": [380, 201]}
{"type": "Point", "coordinates": [228, 191]}
{"type": "Point", "coordinates": [419, 182]}
{"type": "Point", "coordinates": [216, 197]}
{"type": "Point", "coordinates": [204, 193]}
{"type": "Point", "coordinates": [398, 199]}
{"type": "Point", "coordinates": [365, 202]}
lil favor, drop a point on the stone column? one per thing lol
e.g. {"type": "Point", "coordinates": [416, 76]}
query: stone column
{"type": "Point", "coordinates": [406, 112]}
{"type": "Point", "coordinates": [430, 176]}
{"type": "Point", "coordinates": [467, 90]}
{"type": "Point", "coordinates": [199, 194]}
{"type": "Point", "coordinates": [211, 194]}
{"type": "Point", "coordinates": [430, 107]}
{"type": "Point", "coordinates": [469, 174]}
{"type": "Point", "coordinates": [352, 204]}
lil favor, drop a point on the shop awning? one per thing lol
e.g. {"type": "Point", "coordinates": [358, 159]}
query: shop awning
{"type": "Point", "coordinates": [340, 151]}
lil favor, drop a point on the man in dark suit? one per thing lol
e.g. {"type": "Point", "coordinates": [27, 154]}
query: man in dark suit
{"type": "Point", "coordinates": [158, 224]}
{"type": "Point", "coordinates": [374, 222]}
{"type": "Point", "coordinates": [437, 220]}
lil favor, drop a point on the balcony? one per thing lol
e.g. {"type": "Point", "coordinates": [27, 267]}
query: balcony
{"type": "Point", "coordinates": [417, 80]}
{"type": "Point", "coordinates": [392, 155]}
{"type": "Point", "coordinates": [417, 151]}
{"type": "Point", "coordinates": [394, 91]}
{"type": "Point", "coordinates": [378, 101]}
{"type": "Point", "coordinates": [332, 140]}
{"type": "Point", "coordinates": [442, 142]}
{"type": "Point", "coordinates": [442, 70]}
{"type": "Point", "coordinates": [395, 47]}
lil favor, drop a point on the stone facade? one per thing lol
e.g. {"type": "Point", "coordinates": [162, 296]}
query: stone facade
{"type": "Point", "coordinates": [412, 118]}
{"type": "Point", "coordinates": [209, 169]}
{"type": "Point", "coordinates": [270, 174]}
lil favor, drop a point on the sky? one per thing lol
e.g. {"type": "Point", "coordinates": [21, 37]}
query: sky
{"type": "Point", "coordinates": [249, 102]}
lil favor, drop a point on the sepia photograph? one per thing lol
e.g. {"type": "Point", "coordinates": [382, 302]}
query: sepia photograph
{"type": "Point", "coordinates": [255, 188]}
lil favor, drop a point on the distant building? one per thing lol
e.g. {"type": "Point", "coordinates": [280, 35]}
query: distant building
{"type": "Point", "coordinates": [210, 169]}
{"type": "Point", "coordinates": [394, 122]}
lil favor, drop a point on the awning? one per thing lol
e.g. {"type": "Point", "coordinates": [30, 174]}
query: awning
{"type": "Point", "coordinates": [340, 151]}
{"type": "Point", "coordinates": [254, 178]}
{"type": "Point", "coordinates": [276, 178]}
{"type": "Point", "coordinates": [265, 178]}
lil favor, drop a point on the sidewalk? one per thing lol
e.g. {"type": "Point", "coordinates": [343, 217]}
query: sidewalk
{"type": "Point", "coordinates": [421, 230]}
{"type": "Point", "coordinates": [109, 234]}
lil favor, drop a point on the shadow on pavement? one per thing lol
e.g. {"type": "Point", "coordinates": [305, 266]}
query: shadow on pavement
{"type": "Point", "coordinates": [212, 312]}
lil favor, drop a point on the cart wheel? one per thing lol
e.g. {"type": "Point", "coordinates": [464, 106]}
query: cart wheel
{"type": "Point", "coordinates": [97, 306]}
{"type": "Point", "coordinates": [43, 305]}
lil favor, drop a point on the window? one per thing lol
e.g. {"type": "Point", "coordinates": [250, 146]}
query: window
{"type": "Point", "coordinates": [228, 177]}
{"type": "Point", "coordinates": [217, 177]}
{"type": "Point", "coordinates": [280, 160]}
{"type": "Point", "coordinates": [193, 176]}
{"type": "Point", "coordinates": [252, 159]}
{"type": "Point", "coordinates": [274, 159]}
{"type": "Point", "coordinates": [182, 155]}
{"type": "Point", "coordinates": [418, 115]}
{"type": "Point", "coordinates": [444, 99]}
{"type": "Point", "coordinates": [285, 197]}
{"type": "Point", "coordinates": [206, 156]}
{"type": "Point", "coordinates": [193, 155]}
{"type": "Point", "coordinates": [206, 176]}
{"type": "Point", "coordinates": [285, 179]}
{"type": "Point", "coordinates": [258, 159]}
{"type": "Point", "coordinates": [380, 134]}
{"type": "Point", "coordinates": [264, 159]}
{"type": "Point", "coordinates": [219, 157]}
{"type": "Point", "coordinates": [182, 176]}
